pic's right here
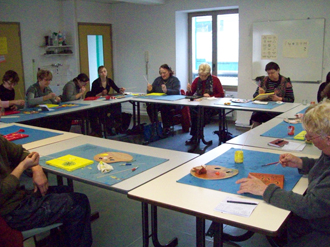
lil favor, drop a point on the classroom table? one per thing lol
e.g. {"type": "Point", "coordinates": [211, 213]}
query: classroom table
{"type": "Point", "coordinates": [201, 202]}
{"type": "Point", "coordinates": [175, 159]}
{"type": "Point", "coordinates": [42, 142]}
{"type": "Point", "coordinates": [292, 113]}
{"type": "Point", "coordinates": [222, 104]}
{"type": "Point", "coordinates": [253, 138]}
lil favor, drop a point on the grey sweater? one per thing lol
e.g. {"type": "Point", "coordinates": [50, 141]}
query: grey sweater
{"type": "Point", "coordinates": [70, 90]}
{"type": "Point", "coordinates": [314, 205]}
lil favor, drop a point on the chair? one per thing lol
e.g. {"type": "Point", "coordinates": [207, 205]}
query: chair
{"type": "Point", "coordinates": [14, 238]}
{"type": "Point", "coordinates": [181, 116]}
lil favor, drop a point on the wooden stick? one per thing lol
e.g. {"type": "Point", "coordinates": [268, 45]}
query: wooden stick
{"type": "Point", "coordinates": [273, 163]}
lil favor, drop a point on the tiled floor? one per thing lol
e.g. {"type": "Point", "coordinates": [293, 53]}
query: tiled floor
{"type": "Point", "coordinates": [120, 218]}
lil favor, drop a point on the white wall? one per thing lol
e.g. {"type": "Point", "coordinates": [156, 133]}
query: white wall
{"type": "Point", "coordinates": [160, 30]}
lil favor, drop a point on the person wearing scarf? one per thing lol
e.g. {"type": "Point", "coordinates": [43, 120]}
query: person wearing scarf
{"type": "Point", "coordinates": [205, 85]}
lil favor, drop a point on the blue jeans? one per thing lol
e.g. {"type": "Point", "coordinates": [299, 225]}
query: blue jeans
{"type": "Point", "coordinates": [59, 205]}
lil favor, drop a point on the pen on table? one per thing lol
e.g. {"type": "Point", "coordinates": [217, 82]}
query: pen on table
{"type": "Point", "coordinates": [247, 203]}
{"type": "Point", "coordinates": [273, 163]}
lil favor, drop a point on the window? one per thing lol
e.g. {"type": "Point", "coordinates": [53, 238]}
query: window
{"type": "Point", "coordinates": [95, 55]}
{"type": "Point", "coordinates": [213, 39]}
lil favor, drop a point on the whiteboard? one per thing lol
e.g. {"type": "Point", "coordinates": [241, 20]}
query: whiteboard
{"type": "Point", "coordinates": [295, 45]}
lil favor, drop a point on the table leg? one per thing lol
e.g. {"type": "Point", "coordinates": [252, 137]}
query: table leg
{"type": "Point", "coordinates": [200, 232]}
{"type": "Point", "coordinates": [218, 234]}
{"type": "Point", "coordinates": [154, 228]}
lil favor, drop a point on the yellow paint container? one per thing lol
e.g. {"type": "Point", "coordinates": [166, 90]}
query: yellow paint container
{"type": "Point", "coordinates": [239, 156]}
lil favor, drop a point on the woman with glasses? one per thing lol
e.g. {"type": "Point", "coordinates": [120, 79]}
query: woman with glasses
{"type": "Point", "coordinates": [40, 92]}
{"type": "Point", "coordinates": [166, 83]}
{"type": "Point", "coordinates": [309, 223]}
{"type": "Point", "coordinates": [275, 83]}
{"type": "Point", "coordinates": [7, 92]}
{"type": "Point", "coordinates": [76, 88]}
{"type": "Point", "coordinates": [205, 85]}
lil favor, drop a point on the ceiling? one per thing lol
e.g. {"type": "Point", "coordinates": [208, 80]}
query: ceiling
{"type": "Point", "coordinates": [145, 2]}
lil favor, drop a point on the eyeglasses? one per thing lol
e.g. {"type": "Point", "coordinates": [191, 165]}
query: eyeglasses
{"type": "Point", "coordinates": [11, 83]}
{"type": "Point", "coordinates": [308, 138]}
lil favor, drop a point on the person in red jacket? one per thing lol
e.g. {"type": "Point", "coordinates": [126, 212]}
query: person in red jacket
{"type": "Point", "coordinates": [205, 85]}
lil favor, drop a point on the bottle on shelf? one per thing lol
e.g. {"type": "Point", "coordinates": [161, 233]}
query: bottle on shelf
{"type": "Point", "coordinates": [60, 38]}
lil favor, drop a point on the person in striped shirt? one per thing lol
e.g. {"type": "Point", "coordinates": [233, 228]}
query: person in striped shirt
{"type": "Point", "coordinates": [274, 82]}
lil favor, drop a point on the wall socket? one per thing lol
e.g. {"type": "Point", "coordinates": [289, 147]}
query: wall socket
{"type": "Point", "coordinates": [144, 106]}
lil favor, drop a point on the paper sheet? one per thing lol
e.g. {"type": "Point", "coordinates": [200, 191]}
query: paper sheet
{"type": "Point", "coordinates": [244, 210]}
{"type": "Point", "coordinates": [294, 146]}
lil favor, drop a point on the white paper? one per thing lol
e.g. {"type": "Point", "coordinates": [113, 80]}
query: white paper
{"type": "Point", "coordinates": [294, 146]}
{"type": "Point", "coordinates": [260, 102]}
{"type": "Point", "coordinates": [244, 210]}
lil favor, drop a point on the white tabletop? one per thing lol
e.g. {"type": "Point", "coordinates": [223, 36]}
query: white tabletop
{"type": "Point", "coordinates": [64, 136]}
{"type": "Point", "coordinates": [201, 202]}
{"type": "Point", "coordinates": [219, 103]}
{"type": "Point", "coordinates": [292, 113]}
{"type": "Point", "coordinates": [175, 158]}
{"type": "Point", "coordinates": [253, 138]}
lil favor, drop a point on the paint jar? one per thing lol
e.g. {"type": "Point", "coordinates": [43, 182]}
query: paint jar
{"type": "Point", "coordinates": [291, 130]}
{"type": "Point", "coordinates": [239, 156]}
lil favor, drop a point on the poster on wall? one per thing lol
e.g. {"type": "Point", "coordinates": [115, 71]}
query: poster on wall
{"type": "Point", "coordinates": [295, 48]}
{"type": "Point", "coordinates": [3, 45]}
{"type": "Point", "coordinates": [269, 47]}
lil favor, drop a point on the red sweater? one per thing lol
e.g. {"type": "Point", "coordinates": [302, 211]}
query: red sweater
{"type": "Point", "coordinates": [217, 87]}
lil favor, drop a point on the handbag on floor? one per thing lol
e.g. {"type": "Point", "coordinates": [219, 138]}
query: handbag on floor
{"type": "Point", "coordinates": [152, 132]}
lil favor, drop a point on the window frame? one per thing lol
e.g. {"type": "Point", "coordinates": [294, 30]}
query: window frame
{"type": "Point", "coordinates": [214, 14]}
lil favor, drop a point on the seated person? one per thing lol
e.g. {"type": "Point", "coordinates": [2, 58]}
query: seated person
{"type": "Point", "coordinates": [308, 224]}
{"type": "Point", "coordinates": [23, 210]}
{"type": "Point", "coordinates": [205, 85]}
{"type": "Point", "coordinates": [324, 89]}
{"type": "Point", "coordinates": [40, 92]}
{"type": "Point", "coordinates": [276, 83]}
{"type": "Point", "coordinates": [166, 83]}
{"type": "Point", "coordinates": [75, 89]}
{"type": "Point", "coordinates": [7, 91]}
{"type": "Point", "coordinates": [101, 87]}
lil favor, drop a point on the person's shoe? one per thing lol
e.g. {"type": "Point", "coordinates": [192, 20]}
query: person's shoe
{"type": "Point", "coordinates": [166, 131]}
{"type": "Point", "coordinates": [191, 141]}
{"type": "Point", "coordinates": [111, 131]}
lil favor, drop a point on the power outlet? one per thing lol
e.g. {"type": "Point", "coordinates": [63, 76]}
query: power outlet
{"type": "Point", "coordinates": [144, 106]}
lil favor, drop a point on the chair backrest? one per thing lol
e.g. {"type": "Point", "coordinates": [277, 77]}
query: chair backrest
{"type": "Point", "coordinates": [9, 236]}
{"type": "Point", "coordinates": [35, 231]}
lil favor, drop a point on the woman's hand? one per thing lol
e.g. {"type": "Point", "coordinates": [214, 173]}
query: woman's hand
{"type": "Point", "coordinates": [164, 88]}
{"type": "Point", "coordinates": [31, 160]}
{"type": "Point", "coordinates": [206, 95]}
{"type": "Point", "coordinates": [40, 180]}
{"type": "Point", "coordinates": [83, 89]}
{"type": "Point", "coordinates": [275, 98]}
{"type": "Point", "coordinates": [188, 87]}
{"type": "Point", "coordinates": [122, 90]}
{"type": "Point", "coordinates": [50, 96]}
{"type": "Point", "coordinates": [251, 185]}
{"type": "Point", "coordinates": [261, 90]}
{"type": "Point", "coordinates": [19, 102]}
{"type": "Point", "coordinates": [289, 160]}
{"type": "Point", "coordinates": [57, 99]}
{"type": "Point", "coordinates": [149, 87]}
{"type": "Point", "coordinates": [104, 92]}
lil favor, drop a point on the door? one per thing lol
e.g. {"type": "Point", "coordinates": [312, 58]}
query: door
{"type": "Point", "coordinates": [95, 49]}
{"type": "Point", "coordinates": [11, 54]}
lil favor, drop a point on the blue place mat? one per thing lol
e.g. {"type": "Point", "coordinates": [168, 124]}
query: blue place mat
{"type": "Point", "coordinates": [253, 161]}
{"type": "Point", "coordinates": [34, 134]}
{"type": "Point", "coordinates": [281, 131]}
{"type": "Point", "coordinates": [163, 97]}
{"type": "Point", "coordinates": [270, 105]}
{"type": "Point", "coordinates": [91, 172]}
{"type": "Point", "coordinates": [304, 110]}
{"type": "Point", "coordinates": [21, 117]}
